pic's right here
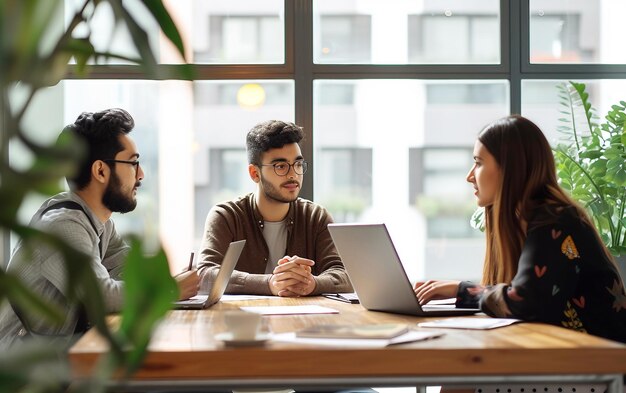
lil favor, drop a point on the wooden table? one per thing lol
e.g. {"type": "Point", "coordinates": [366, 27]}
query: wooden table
{"type": "Point", "coordinates": [184, 353]}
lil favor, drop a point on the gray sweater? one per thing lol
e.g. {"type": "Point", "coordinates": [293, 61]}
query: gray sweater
{"type": "Point", "coordinates": [307, 237]}
{"type": "Point", "coordinates": [42, 269]}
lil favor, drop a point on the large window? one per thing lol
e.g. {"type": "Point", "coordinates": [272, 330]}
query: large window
{"type": "Point", "coordinates": [391, 95]}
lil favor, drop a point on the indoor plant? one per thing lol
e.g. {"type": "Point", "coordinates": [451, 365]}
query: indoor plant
{"type": "Point", "coordinates": [35, 51]}
{"type": "Point", "coordinates": [591, 163]}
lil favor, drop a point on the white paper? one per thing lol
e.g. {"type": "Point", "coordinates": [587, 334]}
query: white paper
{"type": "Point", "coordinates": [410, 336]}
{"type": "Point", "coordinates": [287, 310]}
{"type": "Point", "coordinates": [436, 302]}
{"type": "Point", "coordinates": [234, 298]}
{"type": "Point", "coordinates": [470, 323]}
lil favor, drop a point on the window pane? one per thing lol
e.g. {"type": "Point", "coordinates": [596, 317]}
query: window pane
{"type": "Point", "coordinates": [214, 32]}
{"type": "Point", "coordinates": [406, 32]}
{"type": "Point", "coordinates": [398, 151]}
{"type": "Point", "coordinates": [191, 137]}
{"type": "Point", "coordinates": [238, 31]}
{"type": "Point", "coordinates": [563, 31]}
{"type": "Point", "coordinates": [541, 102]}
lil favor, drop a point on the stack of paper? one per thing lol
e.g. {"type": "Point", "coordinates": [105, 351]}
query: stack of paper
{"type": "Point", "coordinates": [469, 323]}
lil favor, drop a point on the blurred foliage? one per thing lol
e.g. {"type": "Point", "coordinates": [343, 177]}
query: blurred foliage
{"type": "Point", "coordinates": [346, 204]}
{"type": "Point", "coordinates": [26, 63]}
{"type": "Point", "coordinates": [477, 221]}
{"type": "Point", "coordinates": [591, 162]}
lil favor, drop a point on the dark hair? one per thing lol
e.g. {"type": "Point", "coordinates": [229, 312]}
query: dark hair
{"type": "Point", "coordinates": [529, 181]}
{"type": "Point", "coordinates": [100, 132]}
{"type": "Point", "coordinates": [268, 135]}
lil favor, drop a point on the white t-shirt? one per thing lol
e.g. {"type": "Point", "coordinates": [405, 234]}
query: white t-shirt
{"type": "Point", "coordinates": [275, 234]}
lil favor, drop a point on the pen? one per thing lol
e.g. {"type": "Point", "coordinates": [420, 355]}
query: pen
{"type": "Point", "coordinates": [348, 297]}
{"type": "Point", "coordinates": [190, 261]}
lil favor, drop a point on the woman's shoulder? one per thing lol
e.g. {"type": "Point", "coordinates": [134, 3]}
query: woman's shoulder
{"type": "Point", "coordinates": [563, 217]}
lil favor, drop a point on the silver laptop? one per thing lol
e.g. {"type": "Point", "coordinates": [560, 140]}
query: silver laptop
{"type": "Point", "coordinates": [221, 281]}
{"type": "Point", "coordinates": [376, 271]}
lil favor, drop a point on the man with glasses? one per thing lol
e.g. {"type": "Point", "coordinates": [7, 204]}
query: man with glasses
{"type": "Point", "coordinates": [289, 251]}
{"type": "Point", "coordinates": [105, 182]}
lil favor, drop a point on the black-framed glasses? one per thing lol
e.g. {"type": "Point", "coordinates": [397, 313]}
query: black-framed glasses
{"type": "Point", "coordinates": [282, 168]}
{"type": "Point", "coordinates": [135, 163]}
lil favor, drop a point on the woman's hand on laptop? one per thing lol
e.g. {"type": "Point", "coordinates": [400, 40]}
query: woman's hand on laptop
{"type": "Point", "coordinates": [434, 289]}
{"type": "Point", "coordinates": [292, 277]}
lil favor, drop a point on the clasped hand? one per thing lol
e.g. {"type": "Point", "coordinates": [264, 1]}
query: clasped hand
{"type": "Point", "coordinates": [292, 277]}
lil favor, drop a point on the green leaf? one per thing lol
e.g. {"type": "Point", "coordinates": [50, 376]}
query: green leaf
{"type": "Point", "coordinates": [616, 142]}
{"type": "Point", "coordinates": [82, 50]}
{"type": "Point", "coordinates": [619, 177]}
{"type": "Point", "coordinates": [158, 10]}
{"type": "Point", "coordinates": [591, 154]}
{"type": "Point", "coordinates": [23, 298]}
{"type": "Point", "coordinates": [138, 35]}
{"type": "Point", "coordinates": [598, 169]}
{"type": "Point", "coordinates": [615, 163]}
{"type": "Point", "coordinates": [149, 291]}
{"type": "Point", "coordinates": [23, 26]}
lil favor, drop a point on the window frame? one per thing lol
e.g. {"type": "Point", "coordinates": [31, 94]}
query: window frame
{"type": "Point", "coordinates": [514, 66]}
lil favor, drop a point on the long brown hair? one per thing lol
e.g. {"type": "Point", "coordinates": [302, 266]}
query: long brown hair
{"type": "Point", "coordinates": [529, 181]}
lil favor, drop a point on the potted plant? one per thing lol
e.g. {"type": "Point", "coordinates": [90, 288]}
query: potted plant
{"type": "Point", "coordinates": [591, 163]}
{"type": "Point", "coordinates": [29, 66]}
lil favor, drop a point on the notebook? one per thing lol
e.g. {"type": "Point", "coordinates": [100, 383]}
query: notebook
{"type": "Point", "coordinates": [221, 281]}
{"type": "Point", "coordinates": [376, 271]}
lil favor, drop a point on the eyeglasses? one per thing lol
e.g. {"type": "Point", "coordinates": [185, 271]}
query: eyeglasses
{"type": "Point", "coordinates": [282, 168]}
{"type": "Point", "coordinates": [135, 163]}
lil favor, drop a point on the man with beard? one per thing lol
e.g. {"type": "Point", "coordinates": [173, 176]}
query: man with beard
{"type": "Point", "coordinates": [105, 182]}
{"type": "Point", "coordinates": [288, 251]}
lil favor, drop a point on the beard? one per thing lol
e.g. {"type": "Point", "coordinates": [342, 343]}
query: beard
{"type": "Point", "coordinates": [272, 193]}
{"type": "Point", "coordinates": [115, 200]}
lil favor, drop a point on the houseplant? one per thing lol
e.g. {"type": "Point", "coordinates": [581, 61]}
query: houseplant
{"type": "Point", "coordinates": [27, 66]}
{"type": "Point", "coordinates": [591, 163]}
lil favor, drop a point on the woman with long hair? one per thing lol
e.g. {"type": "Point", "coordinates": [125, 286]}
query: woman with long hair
{"type": "Point", "coordinates": [544, 260]}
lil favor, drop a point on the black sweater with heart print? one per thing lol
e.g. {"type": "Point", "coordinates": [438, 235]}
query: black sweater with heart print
{"type": "Point", "coordinates": [564, 278]}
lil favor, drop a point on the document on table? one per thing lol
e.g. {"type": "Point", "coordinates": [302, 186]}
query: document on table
{"type": "Point", "coordinates": [410, 336]}
{"type": "Point", "coordinates": [469, 323]}
{"type": "Point", "coordinates": [234, 298]}
{"type": "Point", "coordinates": [289, 310]}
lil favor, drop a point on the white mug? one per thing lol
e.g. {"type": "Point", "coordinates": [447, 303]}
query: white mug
{"type": "Point", "coordinates": [242, 325]}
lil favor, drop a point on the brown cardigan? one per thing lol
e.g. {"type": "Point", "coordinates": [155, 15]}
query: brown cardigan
{"type": "Point", "coordinates": [307, 237]}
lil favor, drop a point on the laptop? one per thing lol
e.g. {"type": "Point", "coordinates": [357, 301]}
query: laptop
{"type": "Point", "coordinates": [376, 272]}
{"type": "Point", "coordinates": [221, 281]}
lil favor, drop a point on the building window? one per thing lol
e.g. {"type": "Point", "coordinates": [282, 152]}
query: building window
{"type": "Point", "coordinates": [241, 39]}
{"type": "Point", "coordinates": [476, 39]}
{"type": "Point", "coordinates": [344, 39]}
